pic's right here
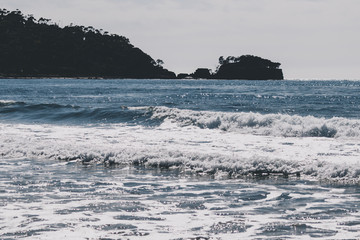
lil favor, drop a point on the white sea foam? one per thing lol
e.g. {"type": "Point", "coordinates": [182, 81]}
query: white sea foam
{"type": "Point", "coordinates": [7, 102]}
{"type": "Point", "coordinates": [264, 124]}
{"type": "Point", "coordinates": [190, 147]}
{"type": "Point", "coordinates": [67, 201]}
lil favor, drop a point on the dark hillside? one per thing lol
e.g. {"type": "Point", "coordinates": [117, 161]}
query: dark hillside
{"type": "Point", "coordinates": [39, 48]}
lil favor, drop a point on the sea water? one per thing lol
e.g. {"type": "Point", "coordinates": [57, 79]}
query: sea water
{"type": "Point", "coordinates": [179, 159]}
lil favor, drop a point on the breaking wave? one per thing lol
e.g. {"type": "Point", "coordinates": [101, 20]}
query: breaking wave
{"type": "Point", "coordinates": [263, 124]}
{"type": "Point", "coordinates": [190, 150]}
{"type": "Point", "coordinates": [4, 103]}
{"type": "Point", "coordinates": [283, 125]}
{"type": "Point", "coordinates": [200, 163]}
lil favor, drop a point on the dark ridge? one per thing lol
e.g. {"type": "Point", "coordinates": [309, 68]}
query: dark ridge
{"type": "Point", "coordinates": [32, 47]}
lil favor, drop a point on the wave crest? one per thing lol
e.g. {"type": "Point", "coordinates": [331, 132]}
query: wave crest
{"type": "Point", "coordinates": [200, 163]}
{"type": "Point", "coordinates": [263, 124]}
{"type": "Point", "coordinates": [4, 103]}
{"type": "Point", "coordinates": [191, 149]}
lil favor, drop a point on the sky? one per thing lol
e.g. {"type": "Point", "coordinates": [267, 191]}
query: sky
{"type": "Point", "coordinates": [312, 39]}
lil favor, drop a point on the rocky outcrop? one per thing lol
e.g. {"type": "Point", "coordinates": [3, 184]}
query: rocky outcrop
{"type": "Point", "coordinates": [237, 71]}
{"type": "Point", "coordinates": [248, 67]}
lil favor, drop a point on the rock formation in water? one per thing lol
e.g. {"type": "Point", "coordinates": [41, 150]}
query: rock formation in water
{"type": "Point", "coordinates": [39, 48]}
{"type": "Point", "coordinates": [244, 67]}
{"type": "Point", "coordinates": [248, 67]}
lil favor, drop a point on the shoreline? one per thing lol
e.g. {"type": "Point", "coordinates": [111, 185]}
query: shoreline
{"type": "Point", "coordinates": [187, 79]}
{"type": "Point", "coordinates": [131, 78]}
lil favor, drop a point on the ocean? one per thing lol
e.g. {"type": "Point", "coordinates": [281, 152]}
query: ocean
{"type": "Point", "coordinates": [179, 159]}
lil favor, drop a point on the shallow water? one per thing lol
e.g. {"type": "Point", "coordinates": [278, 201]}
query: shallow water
{"type": "Point", "coordinates": [171, 159]}
{"type": "Point", "coordinates": [53, 200]}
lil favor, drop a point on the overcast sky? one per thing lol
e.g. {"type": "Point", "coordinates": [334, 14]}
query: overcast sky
{"type": "Point", "coordinates": [312, 39]}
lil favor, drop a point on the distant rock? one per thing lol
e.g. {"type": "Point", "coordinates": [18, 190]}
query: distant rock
{"type": "Point", "coordinates": [203, 73]}
{"type": "Point", "coordinates": [184, 76]}
{"type": "Point", "coordinates": [248, 67]}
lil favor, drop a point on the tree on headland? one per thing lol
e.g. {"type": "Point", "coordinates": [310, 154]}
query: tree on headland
{"type": "Point", "coordinates": [221, 60]}
{"type": "Point", "coordinates": [159, 62]}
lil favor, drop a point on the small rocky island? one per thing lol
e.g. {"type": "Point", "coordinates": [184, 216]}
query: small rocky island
{"type": "Point", "coordinates": [244, 67]}
{"type": "Point", "coordinates": [39, 48]}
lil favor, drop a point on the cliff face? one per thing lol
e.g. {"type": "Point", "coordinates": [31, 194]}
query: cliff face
{"type": "Point", "coordinates": [38, 48]}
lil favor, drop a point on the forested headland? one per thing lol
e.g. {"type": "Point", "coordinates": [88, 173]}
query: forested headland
{"type": "Point", "coordinates": [31, 47]}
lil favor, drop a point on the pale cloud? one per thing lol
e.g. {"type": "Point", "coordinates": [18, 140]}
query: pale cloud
{"type": "Point", "coordinates": [311, 38]}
